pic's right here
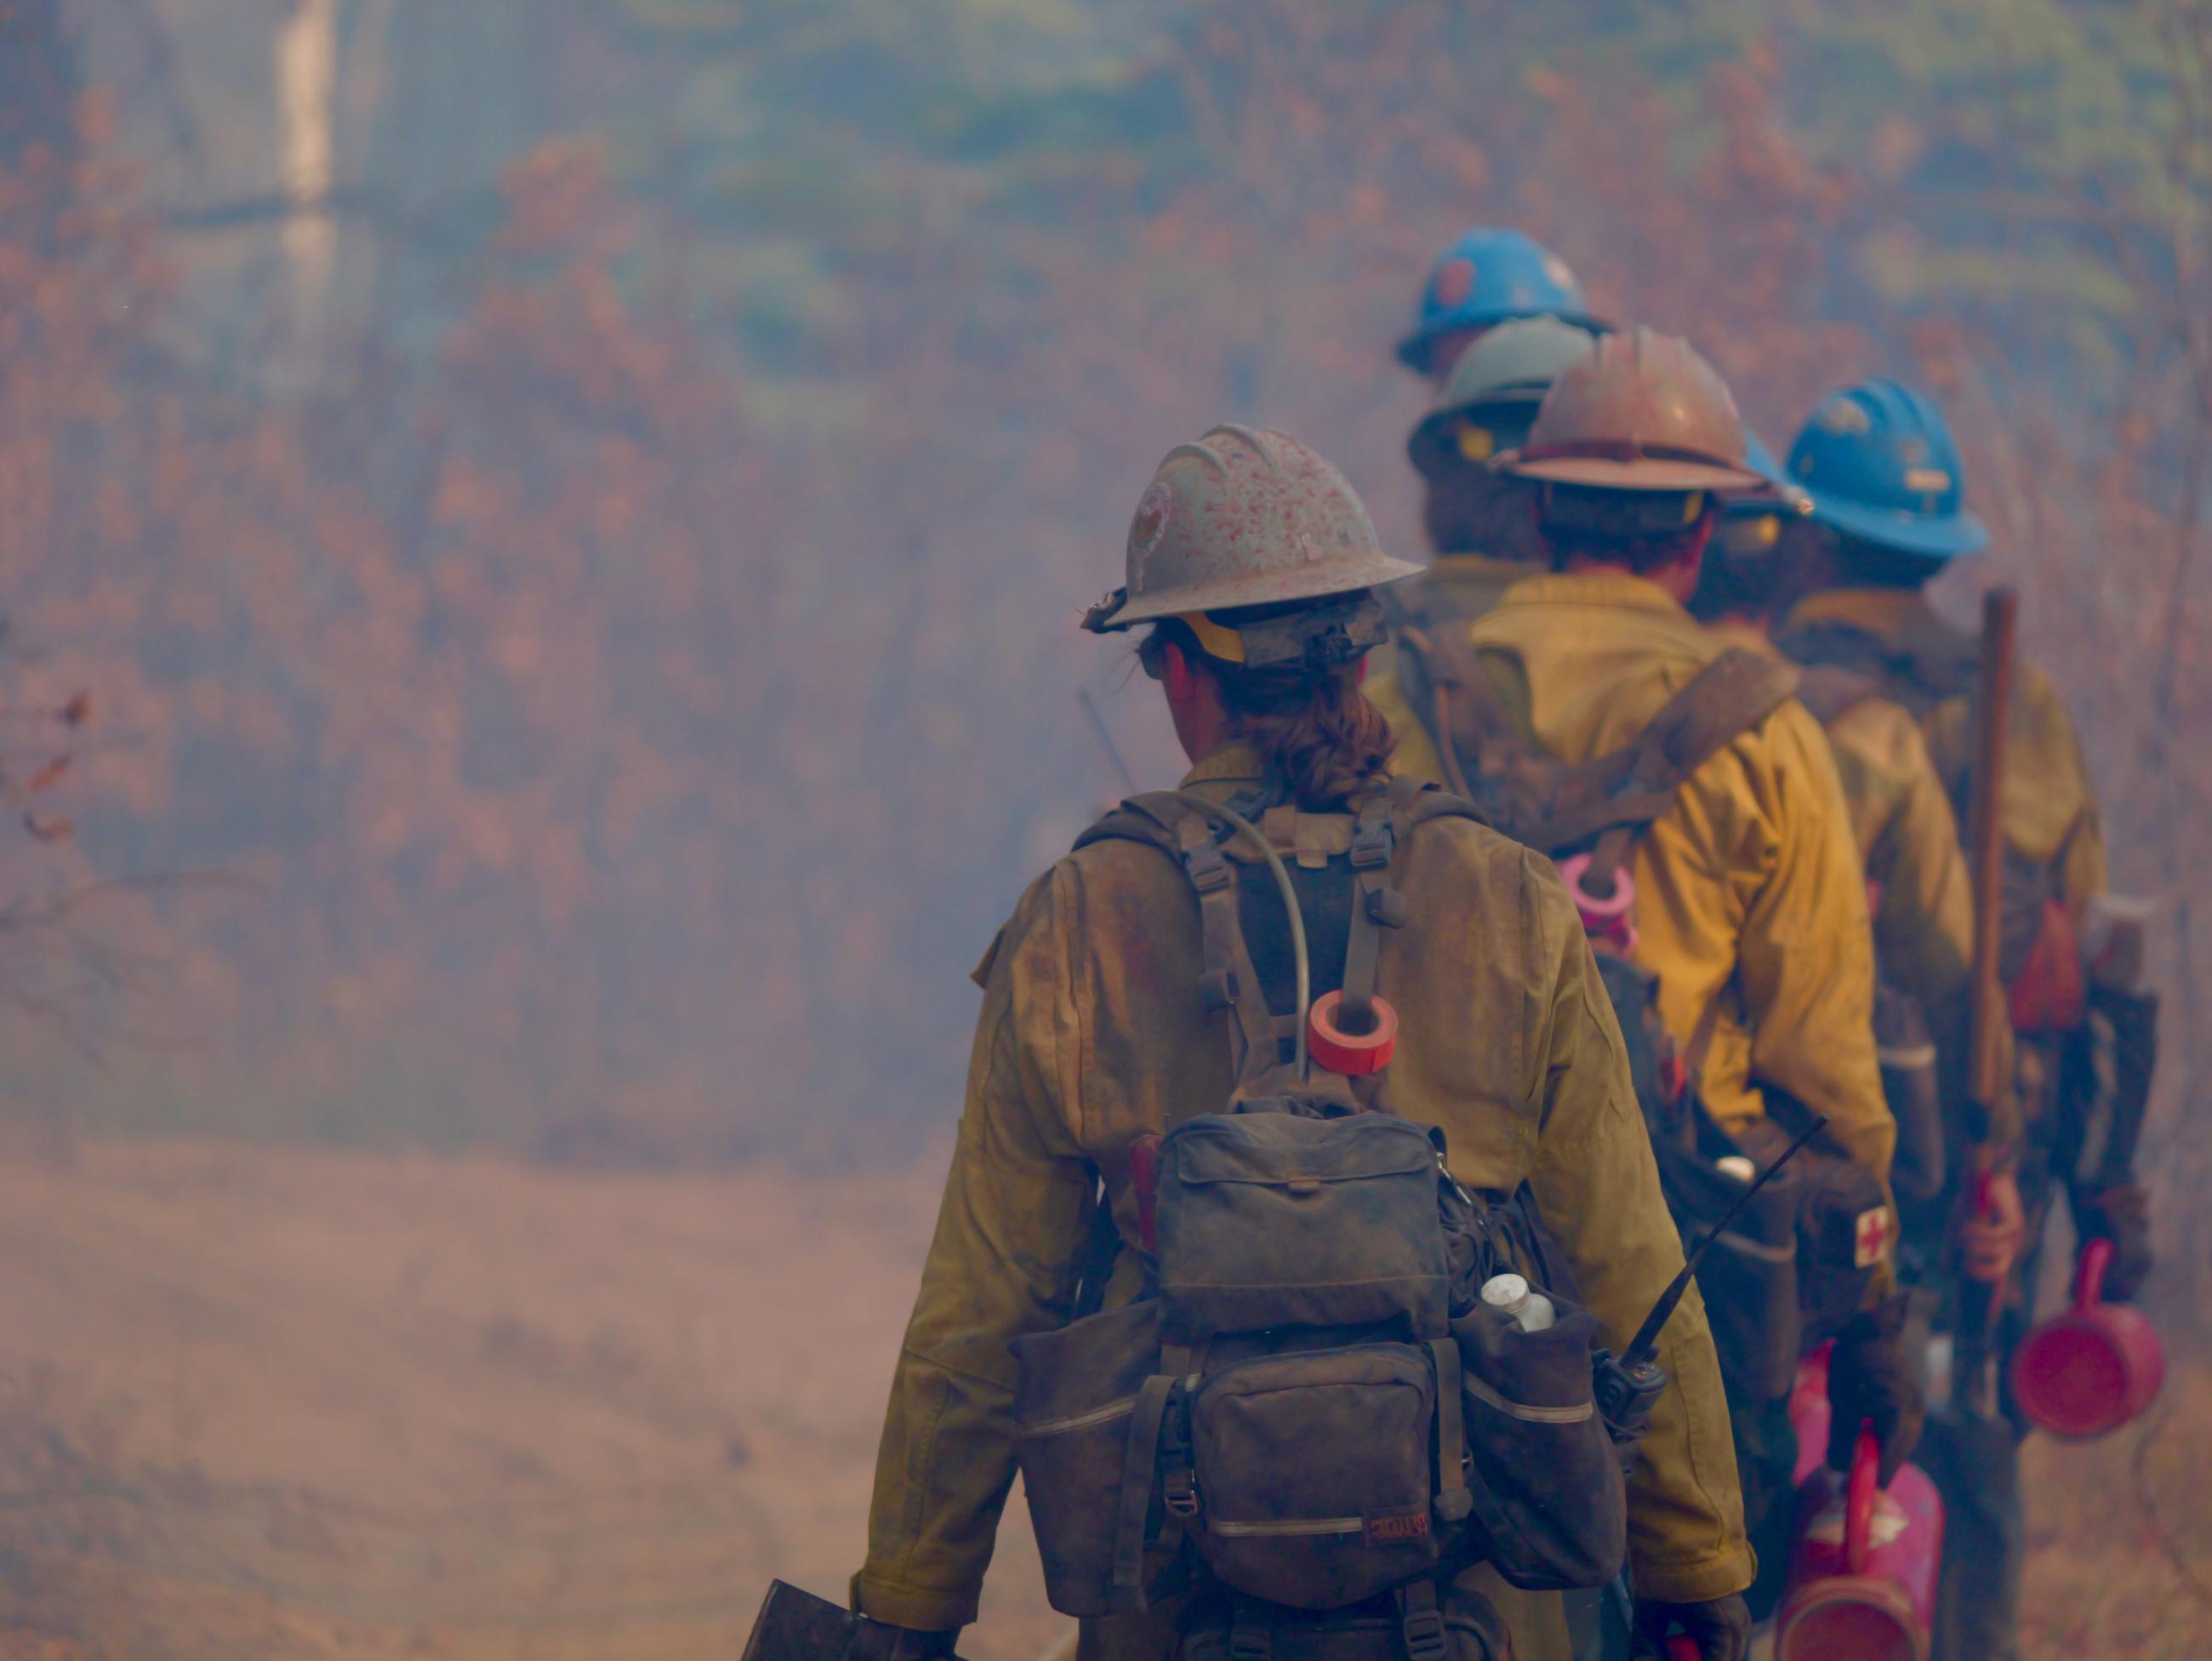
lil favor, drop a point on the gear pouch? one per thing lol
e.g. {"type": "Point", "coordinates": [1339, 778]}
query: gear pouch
{"type": "Point", "coordinates": [1316, 1473]}
{"type": "Point", "coordinates": [1272, 1219]}
{"type": "Point", "coordinates": [1376, 1630]}
{"type": "Point", "coordinates": [1074, 1404]}
{"type": "Point", "coordinates": [1546, 1488]}
{"type": "Point", "coordinates": [1749, 1277]}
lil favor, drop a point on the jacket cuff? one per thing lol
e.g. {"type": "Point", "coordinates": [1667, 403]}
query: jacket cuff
{"type": "Point", "coordinates": [1723, 1573]}
{"type": "Point", "coordinates": [913, 1606]}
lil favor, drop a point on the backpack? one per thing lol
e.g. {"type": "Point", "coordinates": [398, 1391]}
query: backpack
{"type": "Point", "coordinates": [1931, 663]}
{"type": "Point", "coordinates": [1310, 1409]}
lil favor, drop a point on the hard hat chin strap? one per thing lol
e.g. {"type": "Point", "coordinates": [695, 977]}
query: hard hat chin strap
{"type": "Point", "coordinates": [1312, 637]}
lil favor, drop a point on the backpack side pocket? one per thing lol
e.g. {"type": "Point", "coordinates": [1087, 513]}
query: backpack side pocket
{"type": "Point", "coordinates": [1544, 1478]}
{"type": "Point", "coordinates": [1074, 1406]}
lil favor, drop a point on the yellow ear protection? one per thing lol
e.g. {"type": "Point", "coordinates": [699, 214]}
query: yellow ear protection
{"type": "Point", "coordinates": [1748, 536]}
{"type": "Point", "coordinates": [1213, 638]}
{"type": "Point", "coordinates": [1476, 443]}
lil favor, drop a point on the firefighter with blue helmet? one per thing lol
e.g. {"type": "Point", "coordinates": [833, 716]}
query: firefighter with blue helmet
{"type": "Point", "coordinates": [1491, 275]}
{"type": "Point", "coordinates": [1886, 514]}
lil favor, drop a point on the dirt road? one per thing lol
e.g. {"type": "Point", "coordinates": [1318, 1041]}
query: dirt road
{"type": "Point", "coordinates": [257, 1402]}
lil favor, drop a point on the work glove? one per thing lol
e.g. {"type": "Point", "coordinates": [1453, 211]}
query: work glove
{"type": "Point", "coordinates": [878, 1640]}
{"type": "Point", "coordinates": [1871, 1380]}
{"type": "Point", "coordinates": [2120, 1213]}
{"type": "Point", "coordinates": [1990, 1241]}
{"type": "Point", "coordinates": [1720, 1628]}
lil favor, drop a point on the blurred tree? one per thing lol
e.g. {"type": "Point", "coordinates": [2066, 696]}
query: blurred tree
{"type": "Point", "coordinates": [41, 79]}
{"type": "Point", "coordinates": [644, 659]}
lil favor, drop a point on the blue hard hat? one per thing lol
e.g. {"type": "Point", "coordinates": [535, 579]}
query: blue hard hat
{"type": "Point", "coordinates": [1880, 464]}
{"type": "Point", "coordinates": [1490, 274]}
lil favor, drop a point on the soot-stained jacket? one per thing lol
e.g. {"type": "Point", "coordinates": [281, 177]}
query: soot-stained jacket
{"type": "Point", "coordinates": [1092, 1034]}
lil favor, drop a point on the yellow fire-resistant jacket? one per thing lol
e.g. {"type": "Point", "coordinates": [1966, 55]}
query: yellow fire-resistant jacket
{"type": "Point", "coordinates": [1748, 889]}
{"type": "Point", "coordinates": [1092, 1033]}
{"type": "Point", "coordinates": [2049, 815]}
{"type": "Point", "coordinates": [1916, 868]}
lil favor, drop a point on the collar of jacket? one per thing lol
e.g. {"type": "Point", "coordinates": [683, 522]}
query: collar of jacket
{"type": "Point", "coordinates": [1610, 588]}
{"type": "Point", "coordinates": [1474, 563]}
{"type": "Point", "coordinates": [1231, 763]}
{"type": "Point", "coordinates": [1746, 636]}
{"type": "Point", "coordinates": [1889, 613]}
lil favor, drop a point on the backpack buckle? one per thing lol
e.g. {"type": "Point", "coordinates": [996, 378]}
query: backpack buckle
{"type": "Point", "coordinates": [1218, 988]}
{"type": "Point", "coordinates": [1372, 842]}
{"type": "Point", "coordinates": [1424, 1633]}
{"type": "Point", "coordinates": [1208, 867]}
{"type": "Point", "coordinates": [1180, 1487]}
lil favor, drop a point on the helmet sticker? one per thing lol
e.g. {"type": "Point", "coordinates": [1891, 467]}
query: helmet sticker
{"type": "Point", "coordinates": [1927, 481]}
{"type": "Point", "coordinates": [1455, 282]}
{"type": "Point", "coordinates": [1556, 269]}
{"type": "Point", "coordinates": [1147, 529]}
{"type": "Point", "coordinates": [1843, 416]}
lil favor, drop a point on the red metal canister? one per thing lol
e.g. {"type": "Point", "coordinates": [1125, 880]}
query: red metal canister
{"type": "Point", "coordinates": [1863, 1574]}
{"type": "Point", "coordinates": [2088, 1371]}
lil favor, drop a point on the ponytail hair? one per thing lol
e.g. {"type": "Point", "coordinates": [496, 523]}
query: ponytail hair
{"type": "Point", "coordinates": [1314, 728]}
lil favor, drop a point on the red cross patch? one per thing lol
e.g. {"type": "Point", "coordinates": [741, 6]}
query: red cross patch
{"type": "Point", "coordinates": [1870, 1238]}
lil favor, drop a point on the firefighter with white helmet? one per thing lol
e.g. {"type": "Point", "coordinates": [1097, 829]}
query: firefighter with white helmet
{"type": "Point", "coordinates": [1251, 568]}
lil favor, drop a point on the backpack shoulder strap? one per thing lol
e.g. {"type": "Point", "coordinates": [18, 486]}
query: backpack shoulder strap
{"type": "Point", "coordinates": [1228, 980]}
{"type": "Point", "coordinates": [1421, 602]}
{"type": "Point", "coordinates": [1614, 797]}
{"type": "Point", "coordinates": [1415, 801]}
{"type": "Point", "coordinates": [1553, 805]}
{"type": "Point", "coordinates": [1724, 700]}
{"type": "Point", "coordinates": [1934, 662]}
{"type": "Point", "coordinates": [1945, 661]}
{"type": "Point", "coordinates": [1831, 692]}
{"type": "Point", "coordinates": [1486, 761]}
{"type": "Point", "coordinates": [1629, 787]}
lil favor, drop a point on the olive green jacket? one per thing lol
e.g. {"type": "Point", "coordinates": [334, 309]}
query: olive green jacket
{"type": "Point", "coordinates": [1092, 1033]}
{"type": "Point", "coordinates": [2049, 815]}
{"type": "Point", "coordinates": [1917, 883]}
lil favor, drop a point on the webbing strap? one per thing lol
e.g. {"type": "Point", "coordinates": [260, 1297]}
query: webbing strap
{"type": "Point", "coordinates": [1230, 980]}
{"type": "Point", "coordinates": [1175, 1461]}
{"type": "Point", "coordinates": [1607, 854]}
{"type": "Point", "coordinates": [1422, 1622]}
{"type": "Point", "coordinates": [1251, 1628]}
{"type": "Point", "coordinates": [1701, 1035]}
{"type": "Point", "coordinates": [1831, 692]}
{"type": "Point", "coordinates": [1553, 805]}
{"type": "Point", "coordinates": [1139, 1456]}
{"type": "Point", "coordinates": [1453, 1502]}
{"type": "Point", "coordinates": [1927, 663]}
{"type": "Point", "coordinates": [1373, 841]}
{"type": "Point", "coordinates": [1723, 700]}
{"type": "Point", "coordinates": [1466, 721]}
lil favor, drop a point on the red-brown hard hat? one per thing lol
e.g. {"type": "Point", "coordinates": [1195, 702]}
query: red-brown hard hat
{"type": "Point", "coordinates": [1638, 412]}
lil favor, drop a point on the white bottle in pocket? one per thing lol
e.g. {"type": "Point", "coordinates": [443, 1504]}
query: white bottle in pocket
{"type": "Point", "coordinates": [1509, 1295]}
